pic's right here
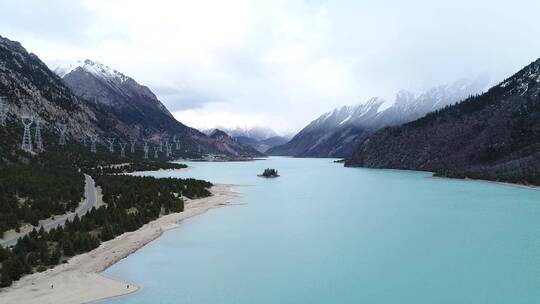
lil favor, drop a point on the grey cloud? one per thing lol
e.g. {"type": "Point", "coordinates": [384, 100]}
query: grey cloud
{"type": "Point", "coordinates": [183, 99]}
{"type": "Point", "coordinates": [57, 20]}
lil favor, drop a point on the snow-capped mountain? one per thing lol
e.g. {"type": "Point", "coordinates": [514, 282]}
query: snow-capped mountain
{"type": "Point", "coordinates": [104, 85]}
{"type": "Point", "coordinates": [136, 107]}
{"type": "Point", "coordinates": [257, 133]}
{"type": "Point", "coordinates": [337, 133]}
{"type": "Point", "coordinates": [346, 115]}
{"type": "Point", "coordinates": [492, 136]}
{"type": "Point", "coordinates": [260, 138]}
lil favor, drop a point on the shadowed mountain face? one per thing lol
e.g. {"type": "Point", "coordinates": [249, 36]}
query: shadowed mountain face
{"type": "Point", "coordinates": [259, 138]}
{"type": "Point", "coordinates": [136, 110]}
{"type": "Point", "coordinates": [338, 133]}
{"type": "Point", "coordinates": [493, 136]}
{"type": "Point", "coordinates": [264, 144]}
{"type": "Point", "coordinates": [133, 103]}
{"type": "Point", "coordinates": [31, 88]}
{"type": "Point", "coordinates": [227, 143]}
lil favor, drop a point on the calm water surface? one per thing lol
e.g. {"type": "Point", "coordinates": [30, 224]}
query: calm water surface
{"type": "Point", "coordinates": [322, 233]}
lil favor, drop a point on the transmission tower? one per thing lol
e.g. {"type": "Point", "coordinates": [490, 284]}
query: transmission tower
{"type": "Point", "coordinates": [2, 111]}
{"type": "Point", "coordinates": [123, 149]}
{"type": "Point", "coordinates": [110, 140]}
{"type": "Point", "coordinates": [37, 136]}
{"type": "Point", "coordinates": [27, 136]}
{"type": "Point", "coordinates": [160, 145]}
{"type": "Point", "coordinates": [62, 128]}
{"type": "Point", "coordinates": [156, 150]}
{"type": "Point", "coordinates": [93, 139]}
{"type": "Point", "coordinates": [169, 149]}
{"type": "Point", "coordinates": [145, 148]}
{"type": "Point", "coordinates": [133, 141]}
{"type": "Point", "coordinates": [177, 142]}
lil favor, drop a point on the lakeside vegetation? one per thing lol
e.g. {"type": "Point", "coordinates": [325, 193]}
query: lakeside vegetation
{"type": "Point", "coordinates": [52, 183]}
{"type": "Point", "coordinates": [31, 192]}
{"type": "Point", "coordinates": [138, 166]}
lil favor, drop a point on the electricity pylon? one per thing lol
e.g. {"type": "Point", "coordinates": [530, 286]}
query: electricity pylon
{"type": "Point", "coordinates": [133, 141]}
{"type": "Point", "coordinates": [123, 149]}
{"type": "Point", "coordinates": [160, 145]}
{"type": "Point", "coordinates": [62, 128]}
{"type": "Point", "coordinates": [2, 111]}
{"type": "Point", "coordinates": [110, 140]}
{"type": "Point", "coordinates": [27, 136]}
{"type": "Point", "coordinates": [93, 139]}
{"type": "Point", "coordinates": [177, 142]}
{"type": "Point", "coordinates": [156, 149]}
{"type": "Point", "coordinates": [37, 136]}
{"type": "Point", "coordinates": [169, 149]}
{"type": "Point", "coordinates": [146, 148]}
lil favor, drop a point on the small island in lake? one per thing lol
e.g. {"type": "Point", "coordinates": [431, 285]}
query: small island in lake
{"type": "Point", "coordinates": [268, 173]}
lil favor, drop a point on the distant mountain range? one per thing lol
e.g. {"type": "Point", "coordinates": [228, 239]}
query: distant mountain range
{"type": "Point", "coordinates": [259, 138]}
{"type": "Point", "coordinates": [494, 136]}
{"type": "Point", "coordinates": [135, 106]}
{"type": "Point", "coordinates": [339, 132]}
{"type": "Point", "coordinates": [92, 99]}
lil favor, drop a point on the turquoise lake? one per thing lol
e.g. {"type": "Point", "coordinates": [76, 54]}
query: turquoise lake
{"type": "Point", "coordinates": [322, 233]}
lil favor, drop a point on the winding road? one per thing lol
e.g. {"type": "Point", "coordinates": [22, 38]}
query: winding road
{"type": "Point", "coordinates": [60, 220]}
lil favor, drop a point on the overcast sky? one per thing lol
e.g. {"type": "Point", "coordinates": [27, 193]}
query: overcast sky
{"type": "Point", "coordinates": [280, 63]}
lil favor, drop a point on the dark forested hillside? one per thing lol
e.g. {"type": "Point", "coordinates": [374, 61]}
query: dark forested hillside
{"type": "Point", "coordinates": [493, 136]}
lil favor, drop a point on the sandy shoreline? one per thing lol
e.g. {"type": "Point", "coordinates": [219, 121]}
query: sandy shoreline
{"type": "Point", "coordinates": [80, 281]}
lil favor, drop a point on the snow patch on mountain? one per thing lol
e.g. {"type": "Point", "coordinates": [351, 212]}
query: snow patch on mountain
{"type": "Point", "coordinates": [64, 67]}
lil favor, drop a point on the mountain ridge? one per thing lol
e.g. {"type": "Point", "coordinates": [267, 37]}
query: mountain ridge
{"type": "Point", "coordinates": [337, 133]}
{"type": "Point", "coordinates": [30, 87]}
{"type": "Point", "coordinates": [493, 136]}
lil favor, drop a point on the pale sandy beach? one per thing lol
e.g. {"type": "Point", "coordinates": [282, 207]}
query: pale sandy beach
{"type": "Point", "coordinates": [80, 281]}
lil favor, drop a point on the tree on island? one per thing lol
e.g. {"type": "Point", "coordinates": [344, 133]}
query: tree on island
{"type": "Point", "coordinates": [269, 173]}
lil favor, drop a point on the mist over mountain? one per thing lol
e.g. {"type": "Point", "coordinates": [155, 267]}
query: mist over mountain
{"type": "Point", "coordinates": [339, 132]}
{"type": "Point", "coordinates": [93, 99]}
{"type": "Point", "coordinates": [495, 136]}
{"type": "Point", "coordinates": [137, 106]}
{"type": "Point", "coordinates": [260, 138]}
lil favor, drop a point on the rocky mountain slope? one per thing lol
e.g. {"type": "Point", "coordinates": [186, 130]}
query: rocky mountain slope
{"type": "Point", "coordinates": [262, 145]}
{"type": "Point", "coordinates": [233, 146]}
{"type": "Point", "coordinates": [257, 133]}
{"type": "Point", "coordinates": [110, 105]}
{"type": "Point", "coordinates": [30, 88]}
{"type": "Point", "coordinates": [339, 132]}
{"type": "Point", "coordinates": [493, 136]}
{"type": "Point", "coordinates": [259, 138]}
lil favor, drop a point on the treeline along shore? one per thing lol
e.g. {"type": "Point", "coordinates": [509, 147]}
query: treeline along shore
{"type": "Point", "coordinates": [53, 183]}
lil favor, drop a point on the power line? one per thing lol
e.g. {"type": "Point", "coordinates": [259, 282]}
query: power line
{"type": "Point", "coordinates": [62, 128]}
{"type": "Point", "coordinates": [145, 148]}
{"type": "Point", "coordinates": [133, 141]}
{"type": "Point", "coordinates": [123, 149]}
{"type": "Point", "coordinates": [93, 139]}
{"type": "Point", "coordinates": [169, 150]}
{"type": "Point", "coordinates": [2, 111]}
{"type": "Point", "coordinates": [37, 136]}
{"type": "Point", "coordinates": [27, 136]}
{"type": "Point", "coordinates": [110, 140]}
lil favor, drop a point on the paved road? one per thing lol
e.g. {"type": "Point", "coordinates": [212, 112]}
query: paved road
{"type": "Point", "coordinates": [90, 194]}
